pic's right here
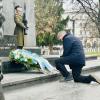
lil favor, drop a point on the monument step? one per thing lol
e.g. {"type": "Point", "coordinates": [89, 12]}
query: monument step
{"type": "Point", "coordinates": [35, 79]}
{"type": "Point", "coordinates": [33, 49]}
{"type": "Point", "coordinates": [4, 51]}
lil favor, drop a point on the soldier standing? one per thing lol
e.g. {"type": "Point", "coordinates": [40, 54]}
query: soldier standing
{"type": "Point", "coordinates": [20, 27]}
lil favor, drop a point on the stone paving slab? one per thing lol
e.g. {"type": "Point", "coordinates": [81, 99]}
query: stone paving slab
{"type": "Point", "coordinates": [57, 91]}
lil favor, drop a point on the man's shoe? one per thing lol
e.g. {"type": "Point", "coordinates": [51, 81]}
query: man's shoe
{"type": "Point", "coordinates": [62, 79]}
{"type": "Point", "coordinates": [95, 78]}
{"type": "Point", "coordinates": [68, 78]}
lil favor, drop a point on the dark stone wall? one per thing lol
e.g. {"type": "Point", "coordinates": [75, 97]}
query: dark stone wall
{"type": "Point", "coordinates": [6, 42]}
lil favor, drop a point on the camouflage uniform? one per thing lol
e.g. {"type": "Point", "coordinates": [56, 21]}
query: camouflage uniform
{"type": "Point", "coordinates": [19, 29]}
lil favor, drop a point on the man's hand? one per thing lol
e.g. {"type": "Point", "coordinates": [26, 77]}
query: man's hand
{"type": "Point", "coordinates": [61, 56]}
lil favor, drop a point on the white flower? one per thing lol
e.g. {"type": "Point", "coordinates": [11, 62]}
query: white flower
{"type": "Point", "coordinates": [25, 60]}
{"type": "Point", "coordinates": [17, 57]}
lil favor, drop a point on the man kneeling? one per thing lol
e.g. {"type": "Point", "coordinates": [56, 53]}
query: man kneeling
{"type": "Point", "coordinates": [73, 55]}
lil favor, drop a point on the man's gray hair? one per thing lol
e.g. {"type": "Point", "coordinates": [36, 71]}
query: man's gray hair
{"type": "Point", "coordinates": [61, 33]}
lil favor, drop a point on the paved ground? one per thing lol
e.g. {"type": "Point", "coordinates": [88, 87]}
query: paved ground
{"type": "Point", "coordinates": [57, 91]}
{"type": "Point", "coordinates": [52, 90]}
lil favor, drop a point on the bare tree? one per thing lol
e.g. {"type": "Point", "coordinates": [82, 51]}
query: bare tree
{"type": "Point", "coordinates": [92, 9]}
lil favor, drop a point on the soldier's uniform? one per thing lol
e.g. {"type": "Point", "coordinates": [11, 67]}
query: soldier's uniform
{"type": "Point", "coordinates": [19, 29]}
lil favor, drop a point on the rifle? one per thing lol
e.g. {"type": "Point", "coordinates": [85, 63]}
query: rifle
{"type": "Point", "coordinates": [25, 20]}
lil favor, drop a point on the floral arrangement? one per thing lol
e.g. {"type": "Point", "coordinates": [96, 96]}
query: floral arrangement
{"type": "Point", "coordinates": [30, 60]}
{"type": "Point", "coordinates": [23, 57]}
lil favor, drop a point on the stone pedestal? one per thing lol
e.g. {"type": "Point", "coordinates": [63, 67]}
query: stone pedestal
{"type": "Point", "coordinates": [30, 38]}
{"type": "Point", "coordinates": [12, 67]}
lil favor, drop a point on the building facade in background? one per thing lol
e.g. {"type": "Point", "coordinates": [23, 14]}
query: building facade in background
{"type": "Point", "coordinates": [81, 26]}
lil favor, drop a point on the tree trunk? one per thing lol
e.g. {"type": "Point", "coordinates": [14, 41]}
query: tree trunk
{"type": "Point", "coordinates": [51, 49]}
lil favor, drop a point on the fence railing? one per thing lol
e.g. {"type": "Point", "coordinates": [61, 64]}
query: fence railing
{"type": "Point", "coordinates": [58, 50]}
{"type": "Point", "coordinates": [91, 50]}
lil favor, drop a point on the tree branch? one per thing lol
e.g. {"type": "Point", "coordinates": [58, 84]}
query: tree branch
{"type": "Point", "coordinates": [86, 10]}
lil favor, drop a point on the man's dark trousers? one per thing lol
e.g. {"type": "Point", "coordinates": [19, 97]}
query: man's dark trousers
{"type": "Point", "coordinates": [76, 70]}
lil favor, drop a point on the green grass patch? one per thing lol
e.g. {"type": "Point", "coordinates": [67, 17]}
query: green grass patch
{"type": "Point", "coordinates": [93, 53]}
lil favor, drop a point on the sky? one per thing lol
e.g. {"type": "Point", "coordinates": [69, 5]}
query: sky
{"type": "Point", "coordinates": [67, 4]}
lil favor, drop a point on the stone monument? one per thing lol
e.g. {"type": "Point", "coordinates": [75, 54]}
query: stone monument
{"type": "Point", "coordinates": [1, 33]}
{"type": "Point", "coordinates": [9, 25]}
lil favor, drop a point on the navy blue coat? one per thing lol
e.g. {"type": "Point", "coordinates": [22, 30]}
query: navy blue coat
{"type": "Point", "coordinates": [73, 50]}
